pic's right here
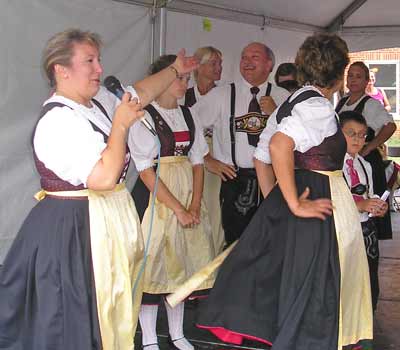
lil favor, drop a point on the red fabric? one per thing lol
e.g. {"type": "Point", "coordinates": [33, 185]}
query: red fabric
{"type": "Point", "coordinates": [354, 178]}
{"type": "Point", "coordinates": [228, 336]}
{"type": "Point", "coordinates": [182, 136]}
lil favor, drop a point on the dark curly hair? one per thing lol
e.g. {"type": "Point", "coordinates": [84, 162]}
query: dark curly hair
{"type": "Point", "coordinates": [161, 63]}
{"type": "Point", "coordinates": [321, 60]}
{"type": "Point", "coordinates": [286, 68]}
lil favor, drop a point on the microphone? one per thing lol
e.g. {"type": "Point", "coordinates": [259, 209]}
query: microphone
{"type": "Point", "coordinates": [113, 85]}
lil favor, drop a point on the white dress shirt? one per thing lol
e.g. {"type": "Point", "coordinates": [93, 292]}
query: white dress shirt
{"type": "Point", "coordinates": [362, 176]}
{"type": "Point", "coordinates": [310, 122]}
{"type": "Point", "coordinates": [214, 110]}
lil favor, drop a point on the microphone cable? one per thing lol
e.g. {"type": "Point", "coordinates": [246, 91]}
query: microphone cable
{"type": "Point", "coordinates": [150, 230]}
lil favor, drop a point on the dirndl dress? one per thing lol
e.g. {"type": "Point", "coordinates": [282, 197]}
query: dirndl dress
{"type": "Point", "coordinates": [67, 281]}
{"type": "Point", "coordinates": [289, 281]}
{"type": "Point", "coordinates": [175, 253]}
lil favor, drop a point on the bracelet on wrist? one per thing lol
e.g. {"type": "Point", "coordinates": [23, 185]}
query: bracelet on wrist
{"type": "Point", "coordinates": [174, 70]}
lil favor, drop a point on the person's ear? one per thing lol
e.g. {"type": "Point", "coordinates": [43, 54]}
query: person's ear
{"type": "Point", "coordinates": [60, 71]}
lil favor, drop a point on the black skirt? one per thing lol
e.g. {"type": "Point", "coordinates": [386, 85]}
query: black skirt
{"type": "Point", "coordinates": [47, 292]}
{"type": "Point", "coordinates": [281, 282]}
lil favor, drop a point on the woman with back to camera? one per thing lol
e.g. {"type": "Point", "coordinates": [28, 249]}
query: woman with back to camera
{"type": "Point", "coordinates": [67, 280]}
{"type": "Point", "coordinates": [206, 76]}
{"type": "Point", "coordinates": [380, 128]}
{"type": "Point", "coordinates": [181, 241]}
{"type": "Point", "coordinates": [289, 281]}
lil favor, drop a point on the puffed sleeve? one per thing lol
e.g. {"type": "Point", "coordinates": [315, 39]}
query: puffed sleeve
{"type": "Point", "coordinates": [310, 122]}
{"type": "Point", "coordinates": [262, 151]}
{"type": "Point", "coordinates": [199, 148]}
{"type": "Point", "coordinates": [142, 144]}
{"type": "Point", "coordinates": [67, 144]}
{"type": "Point", "coordinates": [376, 115]}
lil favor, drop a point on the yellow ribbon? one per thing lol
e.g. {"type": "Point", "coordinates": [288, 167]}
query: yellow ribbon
{"type": "Point", "coordinates": [40, 195]}
{"type": "Point", "coordinates": [334, 173]}
{"type": "Point", "coordinates": [171, 159]}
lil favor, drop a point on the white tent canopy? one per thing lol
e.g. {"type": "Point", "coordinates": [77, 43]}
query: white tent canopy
{"type": "Point", "coordinates": [365, 24]}
{"type": "Point", "coordinates": [126, 28]}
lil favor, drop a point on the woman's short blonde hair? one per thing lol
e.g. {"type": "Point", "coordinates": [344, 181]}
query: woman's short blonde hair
{"type": "Point", "coordinates": [321, 60]}
{"type": "Point", "coordinates": [204, 54]}
{"type": "Point", "coordinates": [60, 48]}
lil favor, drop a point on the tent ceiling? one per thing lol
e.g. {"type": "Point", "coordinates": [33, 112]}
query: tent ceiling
{"type": "Point", "coordinates": [301, 11]}
{"type": "Point", "coordinates": [364, 15]}
{"type": "Point", "coordinates": [376, 13]}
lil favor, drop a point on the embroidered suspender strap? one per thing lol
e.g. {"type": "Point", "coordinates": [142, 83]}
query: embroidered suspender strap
{"type": "Point", "coordinates": [190, 124]}
{"type": "Point", "coordinates": [268, 91]}
{"type": "Point", "coordinates": [341, 103]}
{"type": "Point", "coordinates": [232, 127]}
{"type": "Point", "coordinates": [190, 97]}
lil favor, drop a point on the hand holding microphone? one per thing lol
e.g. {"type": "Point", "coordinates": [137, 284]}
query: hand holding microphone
{"type": "Point", "coordinates": [113, 85]}
{"type": "Point", "coordinates": [129, 111]}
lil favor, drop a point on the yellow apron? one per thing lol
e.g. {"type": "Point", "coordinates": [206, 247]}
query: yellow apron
{"type": "Point", "coordinates": [212, 186]}
{"type": "Point", "coordinates": [176, 253]}
{"type": "Point", "coordinates": [117, 253]}
{"type": "Point", "coordinates": [355, 315]}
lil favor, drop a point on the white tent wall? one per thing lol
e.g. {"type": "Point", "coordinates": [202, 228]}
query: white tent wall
{"type": "Point", "coordinates": [186, 31]}
{"type": "Point", "coordinates": [25, 26]}
{"type": "Point", "coordinates": [126, 31]}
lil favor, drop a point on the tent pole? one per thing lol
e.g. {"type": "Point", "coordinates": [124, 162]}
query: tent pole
{"type": "Point", "coordinates": [158, 31]}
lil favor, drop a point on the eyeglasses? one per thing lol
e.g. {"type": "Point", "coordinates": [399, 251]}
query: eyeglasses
{"type": "Point", "coordinates": [352, 134]}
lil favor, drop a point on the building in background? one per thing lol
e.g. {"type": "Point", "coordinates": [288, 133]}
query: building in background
{"type": "Point", "coordinates": [386, 64]}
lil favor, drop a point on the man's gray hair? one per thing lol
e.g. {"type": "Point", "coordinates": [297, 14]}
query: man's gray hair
{"type": "Point", "coordinates": [270, 55]}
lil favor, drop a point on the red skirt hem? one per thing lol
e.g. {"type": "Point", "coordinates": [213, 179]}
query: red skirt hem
{"type": "Point", "coordinates": [232, 337]}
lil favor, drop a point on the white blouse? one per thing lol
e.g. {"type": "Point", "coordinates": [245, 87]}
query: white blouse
{"type": "Point", "coordinates": [374, 113]}
{"type": "Point", "coordinates": [310, 122]}
{"type": "Point", "coordinates": [214, 109]}
{"type": "Point", "coordinates": [65, 140]}
{"type": "Point", "coordinates": [361, 175]}
{"type": "Point", "coordinates": [143, 144]}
